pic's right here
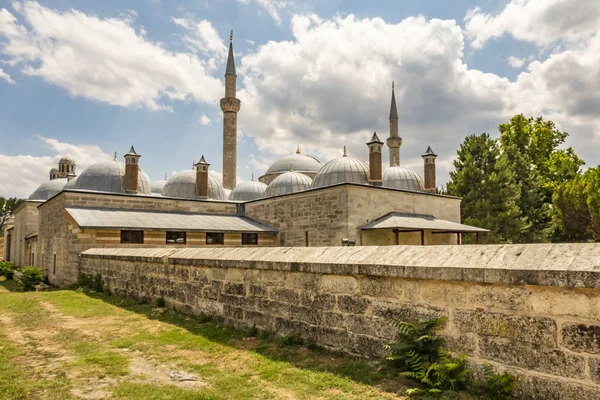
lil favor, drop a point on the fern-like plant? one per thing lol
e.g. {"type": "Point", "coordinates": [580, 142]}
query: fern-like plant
{"type": "Point", "coordinates": [496, 386]}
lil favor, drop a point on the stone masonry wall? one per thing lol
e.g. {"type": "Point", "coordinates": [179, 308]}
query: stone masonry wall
{"type": "Point", "coordinates": [531, 309]}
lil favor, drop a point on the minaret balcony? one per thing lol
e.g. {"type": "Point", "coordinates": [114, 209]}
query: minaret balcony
{"type": "Point", "coordinates": [393, 142]}
{"type": "Point", "coordinates": [230, 104]}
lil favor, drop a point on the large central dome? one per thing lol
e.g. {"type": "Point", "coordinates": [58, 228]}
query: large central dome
{"type": "Point", "coordinates": [342, 170]}
{"type": "Point", "coordinates": [307, 165]}
{"type": "Point", "coordinates": [107, 176]}
{"type": "Point", "coordinates": [183, 185]}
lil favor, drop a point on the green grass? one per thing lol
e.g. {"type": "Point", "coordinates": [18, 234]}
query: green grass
{"type": "Point", "coordinates": [100, 361]}
{"type": "Point", "coordinates": [136, 391]}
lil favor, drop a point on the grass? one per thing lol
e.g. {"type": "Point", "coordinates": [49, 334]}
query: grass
{"type": "Point", "coordinates": [66, 343]}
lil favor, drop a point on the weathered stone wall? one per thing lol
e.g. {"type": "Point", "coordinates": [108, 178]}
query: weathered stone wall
{"type": "Point", "coordinates": [26, 224]}
{"type": "Point", "coordinates": [532, 309]}
{"type": "Point", "coordinates": [1, 248]}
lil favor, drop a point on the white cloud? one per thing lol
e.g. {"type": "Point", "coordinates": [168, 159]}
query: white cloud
{"type": "Point", "coordinates": [515, 62]}
{"type": "Point", "coordinates": [204, 120]}
{"type": "Point", "coordinates": [541, 22]}
{"type": "Point", "coordinates": [102, 59]}
{"type": "Point", "coordinates": [272, 7]}
{"type": "Point", "coordinates": [5, 76]}
{"type": "Point", "coordinates": [20, 175]}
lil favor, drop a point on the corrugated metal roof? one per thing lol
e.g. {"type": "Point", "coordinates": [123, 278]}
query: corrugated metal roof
{"type": "Point", "coordinates": [102, 218]}
{"type": "Point", "coordinates": [406, 221]}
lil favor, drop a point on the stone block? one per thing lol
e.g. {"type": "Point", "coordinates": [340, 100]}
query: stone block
{"type": "Point", "coordinates": [372, 326]}
{"type": "Point", "coordinates": [257, 291]}
{"type": "Point", "coordinates": [381, 287]}
{"type": "Point", "coordinates": [532, 356]}
{"type": "Point", "coordinates": [352, 304]}
{"type": "Point", "coordinates": [581, 337]}
{"type": "Point", "coordinates": [273, 307]}
{"type": "Point", "coordinates": [369, 347]}
{"type": "Point", "coordinates": [332, 320]}
{"type": "Point", "coordinates": [212, 291]}
{"type": "Point", "coordinates": [533, 387]}
{"type": "Point", "coordinates": [305, 314]}
{"type": "Point", "coordinates": [303, 281]}
{"type": "Point", "coordinates": [461, 344]}
{"type": "Point", "coordinates": [285, 327]}
{"type": "Point", "coordinates": [237, 301]}
{"type": "Point", "coordinates": [408, 312]}
{"type": "Point", "coordinates": [331, 337]}
{"type": "Point", "coordinates": [235, 313]}
{"type": "Point", "coordinates": [235, 275]}
{"type": "Point", "coordinates": [537, 330]}
{"type": "Point", "coordinates": [284, 295]}
{"type": "Point", "coordinates": [319, 301]}
{"type": "Point", "coordinates": [339, 284]}
{"type": "Point", "coordinates": [499, 296]}
{"type": "Point", "coordinates": [260, 320]}
{"type": "Point", "coordinates": [594, 364]}
{"type": "Point", "coordinates": [237, 289]}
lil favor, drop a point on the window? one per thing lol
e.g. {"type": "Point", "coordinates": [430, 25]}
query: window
{"type": "Point", "coordinates": [32, 258]}
{"type": "Point", "coordinates": [249, 238]}
{"type": "Point", "coordinates": [54, 265]}
{"type": "Point", "coordinates": [214, 238]}
{"type": "Point", "coordinates": [132, 236]}
{"type": "Point", "coordinates": [175, 237]}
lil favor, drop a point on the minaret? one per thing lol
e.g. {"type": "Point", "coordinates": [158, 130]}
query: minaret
{"type": "Point", "coordinates": [394, 141]}
{"type": "Point", "coordinates": [132, 161]}
{"type": "Point", "coordinates": [230, 106]}
{"type": "Point", "coordinates": [429, 166]}
{"type": "Point", "coordinates": [202, 178]}
{"type": "Point", "coordinates": [375, 160]}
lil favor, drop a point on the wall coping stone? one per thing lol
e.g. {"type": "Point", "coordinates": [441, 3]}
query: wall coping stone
{"type": "Point", "coordinates": [560, 265]}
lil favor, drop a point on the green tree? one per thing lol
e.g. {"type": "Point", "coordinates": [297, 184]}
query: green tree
{"type": "Point", "coordinates": [7, 209]}
{"type": "Point", "coordinates": [484, 180]}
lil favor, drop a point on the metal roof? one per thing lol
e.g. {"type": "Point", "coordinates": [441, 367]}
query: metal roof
{"type": "Point", "coordinates": [406, 221]}
{"type": "Point", "coordinates": [402, 178]}
{"type": "Point", "coordinates": [290, 182]}
{"type": "Point", "coordinates": [298, 162]}
{"type": "Point", "coordinates": [48, 189]}
{"type": "Point", "coordinates": [341, 170]}
{"type": "Point", "coordinates": [102, 218]}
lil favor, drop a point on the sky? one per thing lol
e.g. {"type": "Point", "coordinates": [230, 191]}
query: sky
{"type": "Point", "coordinates": [86, 79]}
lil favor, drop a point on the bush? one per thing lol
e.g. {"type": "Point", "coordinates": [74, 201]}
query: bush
{"type": "Point", "coordinates": [30, 277]}
{"type": "Point", "coordinates": [7, 269]}
{"type": "Point", "coordinates": [160, 302]}
{"type": "Point", "coordinates": [496, 386]}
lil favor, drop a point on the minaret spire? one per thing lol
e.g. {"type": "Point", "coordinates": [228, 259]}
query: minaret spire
{"type": "Point", "coordinates": [230, 105]}
{"type": "Point", "coordinates": [394, 141]}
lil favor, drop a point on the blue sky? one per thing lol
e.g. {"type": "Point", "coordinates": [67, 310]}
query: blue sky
{"type": "Point", "coordinates": [88, 78]}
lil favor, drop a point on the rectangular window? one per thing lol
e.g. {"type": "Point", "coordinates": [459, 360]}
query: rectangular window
{"type": "Point", "coordinates": [176, 237]}
{"type": "Point", "coordinates": [32, 259]}
{"type": "Point", "coordinates": [214, 238]}
{"type": "Point", "coordinates": [249, 238]}
{"type": "Point", "coordinates": [54, 265]}
{"type": "Point", "coordinates": [132, 236]}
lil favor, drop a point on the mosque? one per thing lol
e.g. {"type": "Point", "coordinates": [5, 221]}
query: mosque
{"type": "Point", "coordinates": [298, 201]}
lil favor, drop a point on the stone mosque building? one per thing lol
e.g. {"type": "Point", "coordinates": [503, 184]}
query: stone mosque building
{"type": "Point", "coordinates": [298, 201]}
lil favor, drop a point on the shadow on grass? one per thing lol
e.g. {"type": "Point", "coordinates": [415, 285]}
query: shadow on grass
{"type": "Point", "coordinates": [9, 285]}
{"type": "Point", "coordinates": [291, 349]}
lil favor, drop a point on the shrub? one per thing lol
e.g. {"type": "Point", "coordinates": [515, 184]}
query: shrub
{"type": "Point", "coordinates": [30, 277]}
{"type": "Point", "coordinates": [496, 386]}
{"type": "Point", "coordinates": [290, 340]}
{"type": "Point", "coordinates": [7, 269]}
{"type": "Point", "coordinates": [160, 302]}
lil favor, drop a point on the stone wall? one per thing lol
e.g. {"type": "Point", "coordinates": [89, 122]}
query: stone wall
{"type": "Point", "coordinates": [1, 248]}
{"type": "Point", "coordinates": [531, 309]}
{"type": "Point", "coordinates": [26, 224]}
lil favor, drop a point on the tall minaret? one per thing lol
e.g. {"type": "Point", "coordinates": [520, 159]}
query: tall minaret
{"type": "Point", "coordinates": [394, 141]}
{"type": "Point", "coordinates": [230, 106]}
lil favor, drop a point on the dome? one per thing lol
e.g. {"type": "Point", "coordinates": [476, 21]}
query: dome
{"type": "Point", "coordinates": [156, 187]}
{"type": "Point", "coordinates": [297, 162]}
{"type": "Point", "coordinates": [342, 170]}
{"type": "Point", "coordinates": [183, 185]}
{"type": "Point", "coordinates": [48, 189]}
{"type": "Point", "coordinates": [107, 176]}
{"type": "Point", "coordinates": [71, 183]}
{"type": "Point", "coordinates": [402, 178]}
{"type": "Point", "coordinates": [67, 160]}
{"type": "Point", "coordinates": [290, 182]}
{"type": "Point", "coordinates": [247, 191]}
{"type": "Point", "coordinates": [54, 170]}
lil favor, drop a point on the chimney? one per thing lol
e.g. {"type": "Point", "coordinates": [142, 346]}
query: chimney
{"type": "Point", "coordinates": [429, 169]}
{"type": "Point", "coordinates": [202, 178]}
{"type": "Point", "coordinates": [132, 160]}
{"type": "Point", "coordinates": [375, 146]}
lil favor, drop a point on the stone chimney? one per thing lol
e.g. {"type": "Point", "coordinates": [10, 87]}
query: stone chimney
{"type": "Point", "coordinates": [132, 169]}
{"type": "Point", "coordinates": [202, 178]}
{"type": "Point", "coordinates": [429, 169]}
{"type": "Point", "coordinates": [375, 172]}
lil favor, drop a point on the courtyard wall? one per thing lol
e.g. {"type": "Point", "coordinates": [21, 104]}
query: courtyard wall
{"type": "Point", "coordinates": [531, 309]}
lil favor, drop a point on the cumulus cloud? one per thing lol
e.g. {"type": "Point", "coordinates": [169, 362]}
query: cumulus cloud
{"type": "Point", "coordinates": [204, 120]}
{"type": "Point", "coordinates": [515, 62]}
{"type": "Point", "coordinates": [20, 175]}
{"type": "Point", "coordinates": [272, 7]}
{"type": "Point", "coordinates": [6, 77]}
{"type": "Point", "coordinates": [540, 22]}
{"type": "Point", "coordinates": [202, 37]}
{"type": "Point", "coordinates": [102, 59]}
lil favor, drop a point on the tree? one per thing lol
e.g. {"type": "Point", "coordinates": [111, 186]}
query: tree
{"type": "Point", "coordinates": [7, 209]}
{"type": "Point", "coordinates": [486, 183]}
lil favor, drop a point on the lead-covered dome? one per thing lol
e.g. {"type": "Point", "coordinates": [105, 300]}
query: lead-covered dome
{"type": "Point", "coordinates": [307, 165]}
{"type": "Point", "coordinates": [342, 170]}
{"type": "Point", "coordinates": [250, 190]}
{"type": "Point", "coordinates": [156, 187]}
{"type": "Point", "coordinates": [107, 176]}
{"type": "Point", "coordinates": [48, 189]}
{"type": "Point", "coordinates": [66, 160]}
{"type": "Point", "coordinates": [402, 178]}
{"type": "Point", "coordinates": [183, 185]}
{"type": "Point", "coordinates": [289, 182]}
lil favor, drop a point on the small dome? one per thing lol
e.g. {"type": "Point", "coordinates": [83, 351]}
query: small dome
{"type": "Point", "coordinates": [48, 189]}
{"type": "Point", "coordinates": [247, 191]}
{"type": "Point", "coordinates": [183, 185]}
{"type": "Point", "coordinates": [107, 176]}
{"type": "Point", "coordinates": [298, 162]}
{"type": "Point", "coordinates": [54, 170]}
{"type": "Point", "coordinates": [402, 178]}
{"type": "Point", "coordinates": [156, 187]}
{"type": "Point", "coordinates": [67, 160]}
{"type": "Point", "coordinates": [290, 182]}
{"type": "Point", "coordinates": [342, 170]}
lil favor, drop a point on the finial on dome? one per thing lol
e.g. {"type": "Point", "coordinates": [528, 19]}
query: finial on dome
{"type": "Point", "coordinates": [291, 167]}
{"type": "Point", "coordinates": [253, 176]}
{"type": "Point", "coordinates": [345, 153]}
{"type": "Point", "coordinates": [392, 84]}
{"type": "Point", "coordinates": [298, 150]}
{"type": "Point", "coordinates": [115, 156]}
{"type": "Point", "coordinates": [231, 36]}
{"type": "Point", "coordinates": [165, 176]}
{"type": "Point", "coordinates": [193, 164]}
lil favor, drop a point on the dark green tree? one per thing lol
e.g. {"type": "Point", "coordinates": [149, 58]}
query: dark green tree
{"type": "Point", "coordinates": [7, 209]}
{"type": "Point", "coordinates": [485, 181]}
